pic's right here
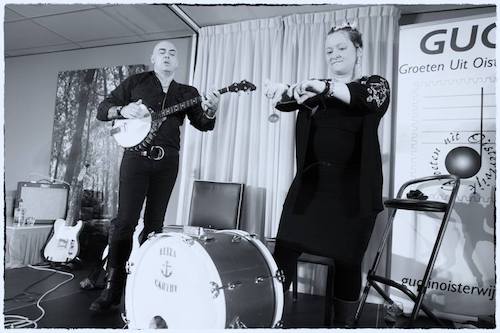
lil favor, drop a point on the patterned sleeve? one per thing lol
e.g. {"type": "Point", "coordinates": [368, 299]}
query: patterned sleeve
{"type": "Point", "coordinates": [370, 94]}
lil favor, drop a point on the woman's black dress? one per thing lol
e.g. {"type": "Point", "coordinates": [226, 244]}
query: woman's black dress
{"type": "Point", "coordinates": [336, 195]}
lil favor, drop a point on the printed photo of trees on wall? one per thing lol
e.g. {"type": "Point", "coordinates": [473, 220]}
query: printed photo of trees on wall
{"type": "Point", "coordinates": [79, 139]}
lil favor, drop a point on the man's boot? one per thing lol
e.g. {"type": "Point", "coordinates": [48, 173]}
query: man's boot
{"type": "Point", "coordinates": [112, 294]}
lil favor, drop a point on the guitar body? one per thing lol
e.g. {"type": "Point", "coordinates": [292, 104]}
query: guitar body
{"type": "Point", "coordinates": [63, 246]}
{"type": "Point", "coordinates": [131, 132]}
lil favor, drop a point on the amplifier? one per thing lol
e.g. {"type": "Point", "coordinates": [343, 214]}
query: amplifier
{"type": "Point", "coordinates": [43, 201]}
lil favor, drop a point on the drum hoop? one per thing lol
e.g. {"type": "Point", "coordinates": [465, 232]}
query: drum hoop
{"type": "Point", "coordinates": [129, 286]}
{"type": "Point", "coordinates": [273, 268]}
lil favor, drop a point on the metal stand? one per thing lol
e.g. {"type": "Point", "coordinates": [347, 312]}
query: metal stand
{"type": "Point", "coordinates": [373, 280]}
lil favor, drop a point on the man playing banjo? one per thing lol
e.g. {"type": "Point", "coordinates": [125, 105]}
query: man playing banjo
{"type": "Point", "coordinates": [151, 172]}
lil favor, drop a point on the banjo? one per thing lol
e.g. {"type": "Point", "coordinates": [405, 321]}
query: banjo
{"type": "Point", "coordinates": [138, 133]}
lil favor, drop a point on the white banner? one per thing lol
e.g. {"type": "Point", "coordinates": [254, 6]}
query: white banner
{"type": "Point", "coordinates": [446, 74]}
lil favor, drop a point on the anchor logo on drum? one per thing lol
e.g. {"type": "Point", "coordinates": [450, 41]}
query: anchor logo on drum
{"type": "Point", "coordinates": [165, 270]}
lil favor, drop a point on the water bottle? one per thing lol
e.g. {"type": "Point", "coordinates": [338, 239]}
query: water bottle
{"type": "Point", "coordinates": [19, 214]}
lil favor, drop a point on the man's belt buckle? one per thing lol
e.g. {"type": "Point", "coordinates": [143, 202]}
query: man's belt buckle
{"type": "Point", "coordinates": [156, 153]}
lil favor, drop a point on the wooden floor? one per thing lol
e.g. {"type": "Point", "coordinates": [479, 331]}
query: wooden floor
{"type": "Point", "coordinates": [67, 307]}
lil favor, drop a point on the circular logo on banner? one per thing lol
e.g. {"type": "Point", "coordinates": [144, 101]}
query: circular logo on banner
{"type": "Point", "coordinates": [484, 180]}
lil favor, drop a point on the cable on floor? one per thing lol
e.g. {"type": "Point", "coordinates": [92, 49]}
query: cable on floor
{"type": "Point", "coordinates": [27, 296]}
{"type": "Point", "coordinates": [17, 321]}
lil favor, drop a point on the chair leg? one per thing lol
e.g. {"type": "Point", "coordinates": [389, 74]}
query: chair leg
{"type": "Point", "coordinates": [328, 297]}
{"type": "Point", "coordinates": [373, 269]}
{"type": "Point", "coordinates": [430, 266]}
{"type": "Point", "coordinates": [362, 302]}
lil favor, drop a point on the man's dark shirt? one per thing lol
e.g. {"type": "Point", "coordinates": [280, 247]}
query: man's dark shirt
{"type": "Point", "coordinates": [147, 86]}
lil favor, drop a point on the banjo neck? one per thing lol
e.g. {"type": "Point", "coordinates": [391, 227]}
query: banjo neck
{"type": "Point", "coordinates": [181, 106]}
{"type": "Point", "coordinates": [138, 133]}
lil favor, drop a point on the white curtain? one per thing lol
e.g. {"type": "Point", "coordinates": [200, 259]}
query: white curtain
{"type": "Point", "coordinates": [245, 147]}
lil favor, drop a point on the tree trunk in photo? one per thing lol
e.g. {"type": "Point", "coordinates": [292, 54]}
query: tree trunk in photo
{"type": "Point", "coordinates": [87, 135]}
{"type": "Point", "coordinates": [86, 79]}
{"type": "Point", "coordinates": [120, 73]}
{"type": "Point", "coordinates": [59, 143]}
{"type": "Point", "coordinates": [104, 83]}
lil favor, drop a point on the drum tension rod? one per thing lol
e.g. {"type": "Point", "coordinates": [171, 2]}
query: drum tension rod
{"type": "Point", "coordinates": [216, 288]}
{"type": "Point", "coordinates": [278, 276]}
{"type": "Point", "coordinates": [128, 267]}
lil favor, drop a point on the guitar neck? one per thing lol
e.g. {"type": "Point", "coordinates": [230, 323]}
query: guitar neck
{"type": "Point", "coordinates": [182, 106]}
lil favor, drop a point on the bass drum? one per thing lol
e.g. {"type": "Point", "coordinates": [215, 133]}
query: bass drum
{"type": "Point", "coordinates": [221, 279]}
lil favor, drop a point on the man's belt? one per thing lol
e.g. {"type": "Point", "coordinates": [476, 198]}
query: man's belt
{"type": "Point", "coordinates": [154, 153]}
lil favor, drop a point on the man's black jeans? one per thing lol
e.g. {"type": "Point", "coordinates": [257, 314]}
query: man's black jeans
{"type": "Point", "coordinates": [141, 178]}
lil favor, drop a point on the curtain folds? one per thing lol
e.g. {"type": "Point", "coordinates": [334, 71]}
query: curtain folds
{"type": "Point", "coordinates": [246, 147]}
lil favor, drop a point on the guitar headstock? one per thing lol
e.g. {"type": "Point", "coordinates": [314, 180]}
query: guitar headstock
{"type": "Point", "coordinates": [243, 85]}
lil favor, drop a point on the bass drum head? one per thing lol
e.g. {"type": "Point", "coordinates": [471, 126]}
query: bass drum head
{"type": "Point", "coordinates": [170, 285]}
{"type": "Point", "coordinates": [273, 268]}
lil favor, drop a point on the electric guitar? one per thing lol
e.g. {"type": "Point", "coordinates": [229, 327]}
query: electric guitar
{"type": "Point", "coordinates": [138, 133]}
{"type": "Point", "coordinates": [63, 245]}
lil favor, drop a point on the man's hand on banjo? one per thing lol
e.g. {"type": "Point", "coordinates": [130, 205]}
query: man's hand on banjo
{"type": "Point", "coordinates": [134, 110]}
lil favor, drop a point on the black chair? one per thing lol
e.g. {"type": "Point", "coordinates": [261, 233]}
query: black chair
{"type": "Point", "coordinates": [312, 259]}
{"type": "Point", "coordinates": [446, 208]}
{"type": "Point", "coordinates": [216, 205]}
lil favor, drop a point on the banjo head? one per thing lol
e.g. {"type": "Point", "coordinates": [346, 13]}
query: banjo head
{"type": "Point", "coordinates": [131, 132]}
